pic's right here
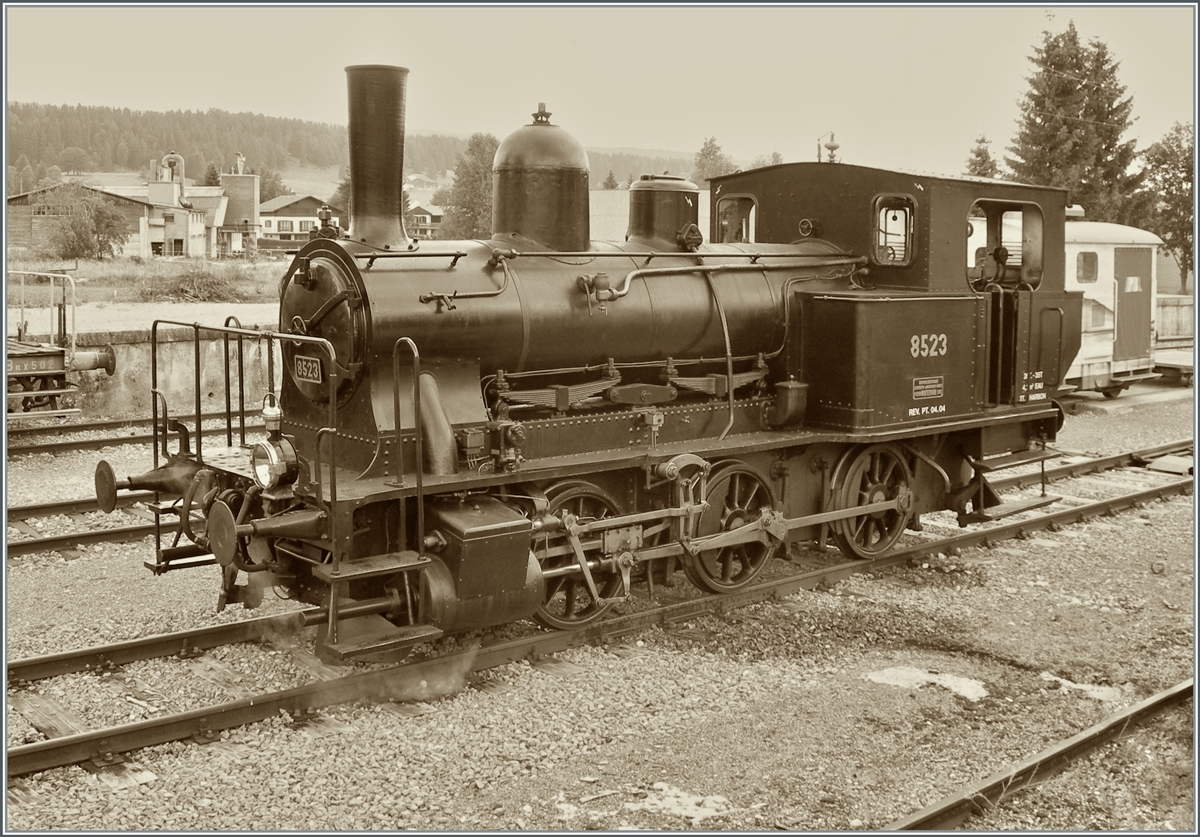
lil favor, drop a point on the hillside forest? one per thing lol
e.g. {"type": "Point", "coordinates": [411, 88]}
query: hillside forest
{"type": "Point", "coordinates": [78, 140]}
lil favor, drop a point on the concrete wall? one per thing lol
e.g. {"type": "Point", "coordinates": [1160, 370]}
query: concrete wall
{"type": "Point", "coordinates": [127, 393]}
{"type": "Point", "coordinates": [1175, 317]}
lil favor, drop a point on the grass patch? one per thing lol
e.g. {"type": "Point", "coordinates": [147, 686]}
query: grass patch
{"type": "Point", "coordinates": [148, 280]}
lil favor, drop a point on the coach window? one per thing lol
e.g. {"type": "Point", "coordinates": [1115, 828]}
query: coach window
{"type": "Point", "coordinates": [1087, 268]}
{"type": "Point", "coordinates": [895, 222]}
{"type": "Point", "coordinates": [736, 219]}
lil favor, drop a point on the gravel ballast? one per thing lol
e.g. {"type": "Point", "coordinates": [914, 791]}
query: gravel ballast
{"type": "Point", "coordinates": [841, 709]}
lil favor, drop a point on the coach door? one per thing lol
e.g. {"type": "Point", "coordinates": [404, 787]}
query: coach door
{"type": "Point", "coordinates": [1132, 277]}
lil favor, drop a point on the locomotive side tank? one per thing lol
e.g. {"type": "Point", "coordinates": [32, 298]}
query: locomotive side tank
{"type": "Point", "coordinates": [474, 432]}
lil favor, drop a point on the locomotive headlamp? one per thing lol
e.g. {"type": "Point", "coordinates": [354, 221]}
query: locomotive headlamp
{"type": "Point", "coordinates": [273, 463]}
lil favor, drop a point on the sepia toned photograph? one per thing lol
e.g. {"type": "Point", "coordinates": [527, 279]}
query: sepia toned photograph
{"type": "Point", "coordinates": [624, 417]}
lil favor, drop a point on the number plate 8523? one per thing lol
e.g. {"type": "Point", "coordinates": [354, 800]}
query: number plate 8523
{"type": "Point", "coordinates": [308, 369]}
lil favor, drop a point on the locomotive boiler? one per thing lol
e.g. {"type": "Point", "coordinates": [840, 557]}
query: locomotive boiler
{"type": "Point", "coordinates": [469, 433]}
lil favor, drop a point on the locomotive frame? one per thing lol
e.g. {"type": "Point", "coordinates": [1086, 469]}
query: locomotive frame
{"type": "Point", "coordinates": [475, 432]}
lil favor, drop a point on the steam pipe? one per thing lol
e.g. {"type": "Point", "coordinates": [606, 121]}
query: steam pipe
{"type": "Point", "coordinates": [617, 293]}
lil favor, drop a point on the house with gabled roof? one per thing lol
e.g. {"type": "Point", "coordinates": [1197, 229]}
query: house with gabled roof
{"type": "Point", "coordinates": [293, 217]}
{"type": "Point", "coordinates": [427, 218]}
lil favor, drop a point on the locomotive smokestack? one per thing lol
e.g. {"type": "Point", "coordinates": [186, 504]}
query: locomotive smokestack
{"type": "Point", "coordinates": [377, 155]}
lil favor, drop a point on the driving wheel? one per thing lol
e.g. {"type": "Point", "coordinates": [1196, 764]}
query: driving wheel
{"type": "Point", "coordinates": [569, 603]}
{"type": "Point", "coordinates": [736, 495]}
{"type": "Point", "coordinates": [875, 474]}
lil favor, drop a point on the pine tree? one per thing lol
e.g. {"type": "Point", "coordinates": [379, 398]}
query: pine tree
{"type": "Point", "coordinates": [610, 182]}
{"type": "Point", "coordinates": [212, 177]}
{"type": "Point", "coordinates": [1072, 119]}
{"type": "Point", "coordinates": [980, 163]}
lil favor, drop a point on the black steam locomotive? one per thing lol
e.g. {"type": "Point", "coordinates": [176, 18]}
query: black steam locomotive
{"type": "Point", "coordinates": [469, 433]}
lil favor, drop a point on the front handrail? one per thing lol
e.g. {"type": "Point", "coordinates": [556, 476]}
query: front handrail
{"type": "Point", "coordinates": [319, 343]}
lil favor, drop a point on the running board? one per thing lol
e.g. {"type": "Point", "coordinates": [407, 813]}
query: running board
{"type": "Point", "coordinates": [1006, 509]}
{"type": "Point", "coordinates": [1134, 377]}
{"type": "Point", "coordinates": [1024, 457]}
{"type": "Point", "coordinates": [375, 638]}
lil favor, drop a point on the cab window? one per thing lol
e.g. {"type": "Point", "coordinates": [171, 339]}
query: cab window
{"type": "Point", "coordinates": [1014, 251]}
{"type": "Point", "coordinates": [736, 220]}
{"type": "Point", "coordinates": [895, 223]}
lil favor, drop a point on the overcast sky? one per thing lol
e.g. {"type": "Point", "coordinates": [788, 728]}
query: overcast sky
{"type": "Point", "coordinates": [901, 86]}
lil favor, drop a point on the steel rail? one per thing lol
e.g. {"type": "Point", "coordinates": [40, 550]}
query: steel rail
{"type": "Point", "coordinates": [396, 682]}
{"type": "Point", "coordinates": [53, 543]}
{"type": "Point", "coordinates": [66, 445]}
{"type": "Point", "coordinates": [1093, 464]}
{"type": "Point", "coordinates": [182, 643]}
{"type": "Point", "coordinates": [101, 424]}
{"type": "Point", "coordinates": [951, 811]}
{"type": "Point", "coordinates": [82, 505]}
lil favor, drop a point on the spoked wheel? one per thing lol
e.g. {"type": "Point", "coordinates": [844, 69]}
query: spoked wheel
{"type": "Point", "coordinates": [736, 495]}
{"type": "Point", "coordinates": [569, 603]}
{"type": "Point", "coordinates": [876, 474]}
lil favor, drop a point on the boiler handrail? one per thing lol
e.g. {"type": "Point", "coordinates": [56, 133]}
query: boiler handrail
{"type": "Point", "coordinates": [420, 449]}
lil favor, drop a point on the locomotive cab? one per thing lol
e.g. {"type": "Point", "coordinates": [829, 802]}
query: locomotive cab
{"type": "Point", "coordinates": [1006, 329]}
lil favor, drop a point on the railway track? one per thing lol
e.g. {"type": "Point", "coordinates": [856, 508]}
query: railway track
{"type": "Point", "coordinates": [133, 523]}
{"type": "Point", "coordinates": [955, 809]}
{"type": "Point", "coordinates": [96, 435]}
{"type": "Point", "coordinates": [405, 681]}
{"type": "Point", "coordinates": [137, 522]}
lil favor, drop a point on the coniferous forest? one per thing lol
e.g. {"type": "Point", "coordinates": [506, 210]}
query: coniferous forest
{"type": "Point", "coordinates": [80, 139]}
